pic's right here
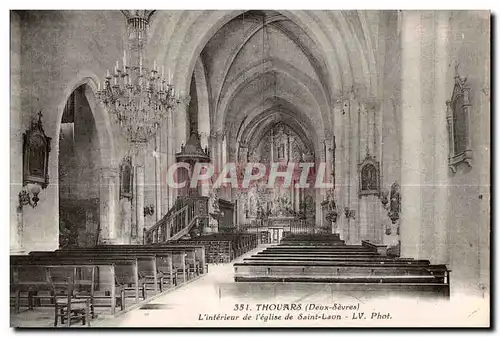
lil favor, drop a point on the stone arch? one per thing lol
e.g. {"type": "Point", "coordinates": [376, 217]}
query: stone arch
{"type": "Point", "coordinates": [101, 117]}
{"type": "Point", "coordinates": [108, 175]}
{"type": "Point", "coordinates": [252, 73]}
{"type": "Point", "coordinates": [285, 107]}
{"type": "Point", "coordinates": [203, 27]}
{"type": "Point", "coordinates": [351, 68]}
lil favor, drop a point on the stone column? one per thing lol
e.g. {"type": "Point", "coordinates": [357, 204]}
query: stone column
{"type": "Point", "coordinates": [16, 130]}
{"type": "Point", "coordinates": [158, 180]}
{"type": "Point", "coordinates": [243, 154]}
{"type": "Point", "coordinates": [139, 203]}
{"type": "Point", "coordinates": [16, 233]}
{"type": "Point", "coordinates": [108, 196]}
{"type": "Point", "coordinates": [181, 121]}
{"type": "Point", "coordinates": [441, 92]}
{"type": "Point", "coordinates": [411, 128]}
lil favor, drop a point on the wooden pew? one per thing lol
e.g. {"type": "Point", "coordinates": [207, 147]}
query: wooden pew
{"type": "Point", "coordinates": [126, 275]}
{"type": "Point", "coordinates": [340, 272]}
{"type": "Point", "coordinates": [321, 248]}
{"type": "Point", "coordinates": [183, 260]}
{"type": "Point", "coordinates": [129, 279]}
{"type": "Point", "coordinates": [224, 247]}
{"type": "Point", "coordinates": [148, 269]}
{"type": "Point", "coordinates": [199, 251]}
{"type": "Point", "coordinates": [194, 255]}
{"type": "Point", "coordinates": [354, 261]}
{"type": "Point", "coordinates": [36, 268]}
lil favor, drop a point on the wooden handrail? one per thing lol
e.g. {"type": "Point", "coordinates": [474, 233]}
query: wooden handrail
{"type": "Point", "coordinates": [180, 217]}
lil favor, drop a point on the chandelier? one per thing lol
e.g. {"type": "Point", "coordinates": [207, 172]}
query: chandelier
{"type": "Point", "coordinates": [139, 97]}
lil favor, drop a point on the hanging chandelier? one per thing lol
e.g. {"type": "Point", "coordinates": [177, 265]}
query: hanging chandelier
{"type": "Point", "coordinates": [138, 97]}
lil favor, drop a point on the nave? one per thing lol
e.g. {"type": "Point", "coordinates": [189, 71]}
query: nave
{"type": "Point", "coordinates": [147, 145]}
{"type": "Point", "coordinates": [154, 285]}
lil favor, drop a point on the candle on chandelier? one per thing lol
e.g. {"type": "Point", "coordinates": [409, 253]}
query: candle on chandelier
{"type": "Point", "coordinates": [124, 59]}
{"type": "Point", "coordinates": [107, 73]}
{"type": "Point", "coordinates": [162, 72]}
{"type": "Point", "coordinates": [168, 76]}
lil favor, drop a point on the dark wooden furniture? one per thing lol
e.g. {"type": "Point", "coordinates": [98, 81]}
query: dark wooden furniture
{"type": "Point", "coordinates": [67, 306]}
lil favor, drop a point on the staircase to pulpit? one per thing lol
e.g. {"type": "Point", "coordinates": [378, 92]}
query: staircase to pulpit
{"type": "Point", "coordinates": [189, 215]}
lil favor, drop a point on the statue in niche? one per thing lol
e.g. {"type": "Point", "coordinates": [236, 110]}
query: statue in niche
{"type": "Point", "coordinates": [368, 178]}
{"type": "Point", "coordinates": [36, 148]}
{"type": "Point", "coordinates": [126, 176]}
{"type": "Point", "coordinates": [281, 151]}
{"type": "Point", "coordinates": [395, 202]}
{"type": "Point", "coordinates": [251, 205]}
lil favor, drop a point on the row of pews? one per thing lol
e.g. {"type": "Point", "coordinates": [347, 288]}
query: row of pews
{"type": "Point", "coordinates": [108, 276]}
{"type": "Point", "coordinates": [327, 259]}
{"type": "Point", "coordinates": [225, 247]}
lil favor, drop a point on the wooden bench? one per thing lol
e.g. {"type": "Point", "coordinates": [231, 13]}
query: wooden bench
{"type": "Point", "coordinates": [129, 279]}
{"type": "Point", "coordinates": [225, 247]}
{"type": "Point", "coordinates": [199, 252]}
{"type": "Point", "coordinates": [170, 259]}
{"type": "Point", "coordinates": [153, 268]}
{"type": "Point", "coordinates": [181, 261]}
{"type": "Point", "coordinates": [328, 271]}
{"type": "Point", "coordinates": [194, 256]}
{"type": "Point", "coordinates": [30, 273]}
{"type": "Point", "coordinates": [379, 260]}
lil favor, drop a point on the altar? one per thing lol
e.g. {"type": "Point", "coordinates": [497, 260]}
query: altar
{"type": "Point", "coordinates": [277, 226]}
{"type": "Point", "coordinates": [272, 229]}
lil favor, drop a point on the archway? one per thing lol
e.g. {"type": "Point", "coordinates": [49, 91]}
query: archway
{"type": "Point", "coordinates": [79, 174]}
{"type": "Point", "coordinates": [88, 177]}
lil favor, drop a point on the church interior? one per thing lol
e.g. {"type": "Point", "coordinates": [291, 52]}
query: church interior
{"type": "Point", "coordinates": [393, 105]}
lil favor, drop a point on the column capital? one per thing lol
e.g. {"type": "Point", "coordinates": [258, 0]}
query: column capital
{"type": "Point", "coordinates": [217, 135]}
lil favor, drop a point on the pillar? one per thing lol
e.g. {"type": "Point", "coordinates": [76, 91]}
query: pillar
{"type": "Point", "coordinates": [16, 129]}
{"type": "Point", "coordinates": [139, 203]}
{"type": "Point", "coordinates": [16, 232]}
{"type": "Point", "coordinates": [158, 179]}
{"type": "Point", "coordinates": [108, 196]}
{"type": "Point", "coordinates": [411, 127]}
{"type": "Point", "coordinates": [441, 92]}
{"type": "Point", "coordinates": [170, 138]}
{"type": "Point", "coordinates": [424, 39]}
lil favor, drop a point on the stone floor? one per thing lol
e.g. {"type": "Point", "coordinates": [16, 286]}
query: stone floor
{"type": "Point", "coordinates": [215, 300]}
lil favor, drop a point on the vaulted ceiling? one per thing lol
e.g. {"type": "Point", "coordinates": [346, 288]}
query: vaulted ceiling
{"type": "Point", "coordinates": [261, 69]}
